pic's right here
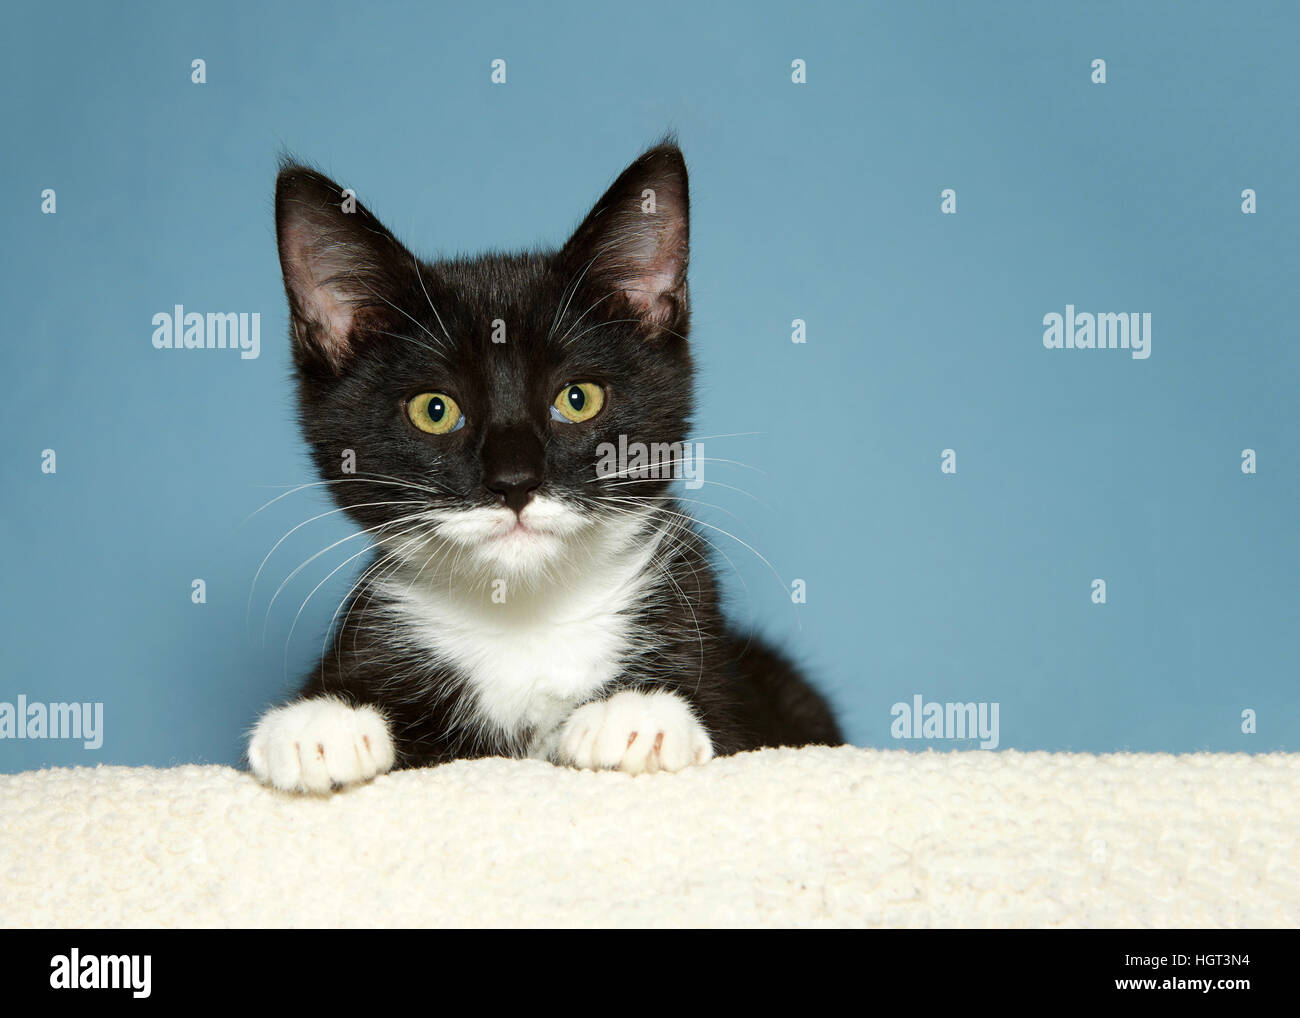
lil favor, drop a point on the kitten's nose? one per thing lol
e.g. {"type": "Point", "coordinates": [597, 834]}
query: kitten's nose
{"type": "Point", "coordinates": [515, 491]}
{"type": "Point", "coordinates": [513, 464]}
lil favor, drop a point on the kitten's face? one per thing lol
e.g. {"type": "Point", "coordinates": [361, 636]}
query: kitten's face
{"type": "Point", "coordinates": [462, 408]}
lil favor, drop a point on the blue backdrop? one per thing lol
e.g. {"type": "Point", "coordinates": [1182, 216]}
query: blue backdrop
{"type": "Point", "coordinates": [819, 201]}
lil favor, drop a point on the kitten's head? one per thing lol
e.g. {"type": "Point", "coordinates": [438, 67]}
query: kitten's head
{"type": "Point", "coordinates": [464, 408]}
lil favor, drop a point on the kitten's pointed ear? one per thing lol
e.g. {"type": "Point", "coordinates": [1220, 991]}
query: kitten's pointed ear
{"type": "Point", "coordinates": [634, 247]}
{"type": "Point", "coordinates": [341, 266]}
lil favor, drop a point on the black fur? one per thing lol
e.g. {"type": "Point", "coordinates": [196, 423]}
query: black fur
{"type": "Point", "coordinates": [583, 312]}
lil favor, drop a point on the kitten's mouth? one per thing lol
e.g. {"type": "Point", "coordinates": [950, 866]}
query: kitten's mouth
{"type": "Point", "coordinates": [500, 536]}
{"type": "Point", "coordinates": [518, 530]}
{"type": "Point", "coordinates": [529, 543]}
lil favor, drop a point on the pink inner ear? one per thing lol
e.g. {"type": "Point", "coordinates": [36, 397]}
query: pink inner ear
{"type": "Point", "coordinates": [334, 315]}
{"type": "Point", "coordinates": [649, 297]}
{"type": "Point", "coordinates": [655, 266]}
{"type": "Point", "coordinates": [326, 308]}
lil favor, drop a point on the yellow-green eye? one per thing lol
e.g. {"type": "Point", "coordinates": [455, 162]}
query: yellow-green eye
{"type": "Point", "coordinates": [435, 413]}
{"type": "Point", "coordinates": [578, 402]}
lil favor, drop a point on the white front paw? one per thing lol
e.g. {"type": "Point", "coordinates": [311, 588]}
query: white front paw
{"type": "Point", "coordinates": [318, 744]}
{"type": "Point", "coordinates": [635, 732]}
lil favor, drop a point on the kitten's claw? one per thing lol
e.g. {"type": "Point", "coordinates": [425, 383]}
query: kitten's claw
{"type": "Point", "coordinates": [635, 732]}
{"type": "Point", "coordinates": [318, 744]}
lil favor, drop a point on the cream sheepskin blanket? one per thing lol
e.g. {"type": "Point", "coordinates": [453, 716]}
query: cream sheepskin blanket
{"type": "Point", "coordinates": [811, 837]}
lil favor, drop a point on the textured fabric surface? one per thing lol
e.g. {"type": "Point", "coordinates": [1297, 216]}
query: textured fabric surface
{"type": "Point", "coordinates": [782, 837]}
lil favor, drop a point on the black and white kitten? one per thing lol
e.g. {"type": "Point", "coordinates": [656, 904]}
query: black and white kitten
{"type": "Point", "coordinates": [521, 601]}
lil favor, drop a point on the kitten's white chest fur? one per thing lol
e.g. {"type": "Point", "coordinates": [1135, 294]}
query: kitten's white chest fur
{"type": "Point", "coordinates": [532, 649]}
